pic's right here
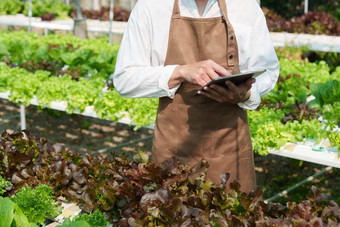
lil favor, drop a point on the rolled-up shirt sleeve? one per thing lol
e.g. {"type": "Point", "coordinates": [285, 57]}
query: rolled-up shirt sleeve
{"type": "Point", "coordinates": [262, 56]}
{"type": "Point", "coordinates": [134, 74]}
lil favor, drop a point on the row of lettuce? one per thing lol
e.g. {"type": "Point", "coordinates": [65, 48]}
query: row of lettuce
{"type": "Point", "coordinates": [325, 20]}
{"type": "Point", "coordinates": [65, 68]}
{"type": "Point", "coordinates": [39, 8]}
{"type": "Point", "coordinates": [305, 104]}
{"type": "Point", "coordinates": [317, 22]}
{"type": "Point", "coordinates": [35, 174]}
{"type": "Point", "coordinates": [49, 10]}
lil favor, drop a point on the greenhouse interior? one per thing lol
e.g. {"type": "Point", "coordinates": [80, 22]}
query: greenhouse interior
{"type": "Point", "coordinates": [111, 113]}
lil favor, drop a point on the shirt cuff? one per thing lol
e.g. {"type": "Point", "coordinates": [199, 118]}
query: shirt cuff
{"type": "Point", "coordinates": [254, 100]}
{"type": "Point", "coordinates": [164, 80]}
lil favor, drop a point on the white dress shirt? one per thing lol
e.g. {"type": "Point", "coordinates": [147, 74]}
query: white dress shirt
{"type": "Point", "coordinates": [140, 70]}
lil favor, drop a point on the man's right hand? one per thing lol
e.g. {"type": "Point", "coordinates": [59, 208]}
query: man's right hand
{"type": "Point", "coordinates": [199, 73]}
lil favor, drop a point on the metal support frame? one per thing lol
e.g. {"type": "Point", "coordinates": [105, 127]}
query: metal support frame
{"type": "Point", "coordinates": [105, 150]}
{"type": "Point", "coordinates": [95, 5]}
{"type": "Point", "coordinates": [22, 117]}
{"type": "Point", "coordinates": [45, 31]}
{"type": "Point", "coordinates": [29, 15]}
{"type": "Point", "coordinates": [306, 6]}
{"type": "Point", "coordinates": [79, 23]}
{"type": "Point", "coordinates": [78, 10]}
{"type": "Point", "coordinates": [111, 20]}
{"type": "Point", "coordinates": [23, 126]}
{"type": "Point", "coordinates": [132, 4]}
{"type": "Point", "coordinates": [285, 192]}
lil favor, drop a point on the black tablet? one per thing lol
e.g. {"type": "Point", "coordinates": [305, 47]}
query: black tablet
{"type": "Point", "coordinates": [236, 78]}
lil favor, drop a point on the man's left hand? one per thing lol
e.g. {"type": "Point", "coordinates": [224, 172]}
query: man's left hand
{"type": "Point", "coordinates": [232, 94]}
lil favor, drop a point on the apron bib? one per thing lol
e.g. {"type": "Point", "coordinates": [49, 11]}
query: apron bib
{"type": "Point", "coordinates": [193, 128]}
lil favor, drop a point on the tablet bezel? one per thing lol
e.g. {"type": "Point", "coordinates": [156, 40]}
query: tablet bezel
{"type": "Point", "coordinates": [236, 78]}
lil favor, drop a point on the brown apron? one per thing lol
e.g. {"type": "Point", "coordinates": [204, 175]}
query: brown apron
{"type": "Point", "coordinates": [193, 128]}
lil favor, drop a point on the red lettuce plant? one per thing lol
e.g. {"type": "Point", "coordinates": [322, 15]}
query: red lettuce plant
{"type": "Point", "coordinates": [318, 22]}
{"type": "Point", "coordinates": [145, 194]}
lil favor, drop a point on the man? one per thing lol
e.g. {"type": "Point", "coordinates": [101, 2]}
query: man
{"type": "Point", "coordinates": [170, 49]}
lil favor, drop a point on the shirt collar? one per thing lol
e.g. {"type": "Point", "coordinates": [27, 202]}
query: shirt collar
{"type": "Point", "coordinates": [193, 6]}
{"type": "Point", "coordinates": [209, 5]}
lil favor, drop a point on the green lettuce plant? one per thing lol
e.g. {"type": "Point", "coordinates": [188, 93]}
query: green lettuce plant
{"type": "Point", "coordinates": [95, 219]}
{"type": "Point", "coordinates": [11, 214]}
{"type": "Point", "coordinates": [11, 7]}
{"type": "Point", "coordinates": [56, 7]}
{"type": "Point", "coordinates": [37, 204]}
{"type": "Point", "coordinates": [3, 185]}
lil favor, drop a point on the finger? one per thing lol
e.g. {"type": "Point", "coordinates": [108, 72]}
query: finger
{"type": "Point", "coordinates": [214, 97]}
{"type": "Point", "coordinates": [212, 91]}
{"type": "Point", "coordinates": [245, 87]}
{"type": "Point", "coordinates": [240, 90]}
{"type": "Point", "coordinates": [200, 81]}
{"type": "Point", "coordinates": [247, 84]}
{"type": "Point", "coordinates": [206, 78]}
{"type": "Point", "coordinates": [232, 87]}
{"type": "Point", "coordinates": [250, 81]}
{"type": "Point", "coordinates": [212, 74]}
{"type": "Point", "coordinates": [221, 90]}
{"type": "Point", "coordinates": [225, 93]}
{"type": "Point", "coordinates": [220, 70]}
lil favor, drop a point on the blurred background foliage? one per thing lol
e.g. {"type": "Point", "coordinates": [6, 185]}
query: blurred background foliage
{"type": "Point", "coordinates": [291, 8]}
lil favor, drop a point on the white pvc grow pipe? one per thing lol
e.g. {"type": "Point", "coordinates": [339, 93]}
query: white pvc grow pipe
{"type": "Point", "coordinates": [285, 192]}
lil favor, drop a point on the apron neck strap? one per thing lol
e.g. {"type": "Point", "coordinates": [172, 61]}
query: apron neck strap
{"type": "Point", "coordinates": [175, 10]}
{"type": "Point", "coordinates": [223, 7]}
{"type": "Point", "coordinates": [222, 3]}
